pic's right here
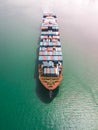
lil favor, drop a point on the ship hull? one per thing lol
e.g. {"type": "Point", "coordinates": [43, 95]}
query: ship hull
{"type": "Point", "coordinates": [50, 61]}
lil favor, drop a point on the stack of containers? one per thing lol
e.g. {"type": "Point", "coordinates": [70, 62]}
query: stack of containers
{"type": "Point", "coordinates": [51, 72]}
{"type": "Point", "coordinates": [50, 47]}
{"type": "Point", "coordinates": [50, 58]}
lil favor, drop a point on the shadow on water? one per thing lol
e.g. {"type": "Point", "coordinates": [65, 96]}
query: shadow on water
{"type": "Point", "coordinates": [41, 92]}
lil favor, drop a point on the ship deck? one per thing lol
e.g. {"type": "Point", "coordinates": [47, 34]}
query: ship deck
{"type": "Point", "coordinates": [50, 54]}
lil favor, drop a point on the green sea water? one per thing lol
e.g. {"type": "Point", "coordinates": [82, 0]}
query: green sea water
{"type": "Point", "coordinates": [24, 103]}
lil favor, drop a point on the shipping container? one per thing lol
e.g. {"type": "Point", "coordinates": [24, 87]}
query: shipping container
{"type": "Point", "coordinates": [58, 48]}
{"type": "Point", "coordinates": [51, 64]}
{"type": "Point", "coordinates": [50, 58]}
{"type": "Point", "coordinates": [55, 58]}
{"type": "Point", "coordinates": [45, 64]}
{"type": "Point", "coordinates": [54, 72]}
{"type": "Point", "coordinates": [58, 53]}
{"type": "Point", "coordinates": [51, 71]}
{"type": "Point", "coordinates": [44, 71]}
{"type": "Point", "coordinates": [40, 58]}
{"type": "Point", "coordinates": [47, 70]}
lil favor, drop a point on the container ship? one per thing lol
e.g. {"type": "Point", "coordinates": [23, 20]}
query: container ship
{"type": "Point", "coordinates": [50, 60]}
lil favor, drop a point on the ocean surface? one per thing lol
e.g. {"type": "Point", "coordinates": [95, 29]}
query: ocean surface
{"type": "Point", "coordinates": [24, 103]}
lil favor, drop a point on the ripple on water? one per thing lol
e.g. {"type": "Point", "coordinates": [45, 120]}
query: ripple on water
{"type": "Point", "coordinates": [74, 109]}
